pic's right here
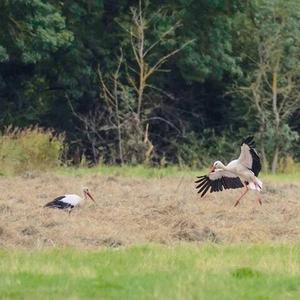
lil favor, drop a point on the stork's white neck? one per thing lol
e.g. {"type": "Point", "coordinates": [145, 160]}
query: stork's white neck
{"type": "Point", "coordinates": [222, 166]}
{"type": "Point", "coordinates": [219, 165]}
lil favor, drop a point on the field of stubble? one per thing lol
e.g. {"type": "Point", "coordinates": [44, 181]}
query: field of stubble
{"type": "Point", "coordinates": [132, 211]}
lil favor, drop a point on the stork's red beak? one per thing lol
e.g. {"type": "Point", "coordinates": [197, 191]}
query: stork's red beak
{"type": "Point", "coordinates": [212, 169]}
{"type": "Point", "coordinates": [90, 196]}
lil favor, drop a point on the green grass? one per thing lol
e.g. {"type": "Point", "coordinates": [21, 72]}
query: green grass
{"type": "Point", "coordinates": [142, 171]}
{"type": "Point", "coordinates": [150, 172]}
{"type": "Point", "coordinates": [153, 272]}
{"type": "Point", "coordinates": [171, 171]}
{"type": "Point", "coordinates": [130, 171]}
{"type": "Point", "coordinates": [282, 177]}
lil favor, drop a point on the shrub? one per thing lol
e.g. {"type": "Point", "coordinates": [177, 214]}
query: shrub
{"type": "Point", "coordinates": [27, 149]}
{"type": "Point", "coordinates": [288, 165]}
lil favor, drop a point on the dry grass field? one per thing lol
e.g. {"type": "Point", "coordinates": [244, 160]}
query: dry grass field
{"type": "Point", "coordinates": [139, 210]}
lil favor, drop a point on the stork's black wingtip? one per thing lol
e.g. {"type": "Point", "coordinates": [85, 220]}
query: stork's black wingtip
{"type": "Point", "coordinates": [248, 140]}
{"type": "Point", "coordinates": [200, 178]}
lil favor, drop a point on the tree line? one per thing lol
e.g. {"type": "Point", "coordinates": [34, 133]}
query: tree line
{"type": "Point", "coordinates": [156, 82]}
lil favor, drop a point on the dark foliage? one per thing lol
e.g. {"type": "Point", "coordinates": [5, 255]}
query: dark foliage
{"type": "Point", "coordinates": [50, 53]}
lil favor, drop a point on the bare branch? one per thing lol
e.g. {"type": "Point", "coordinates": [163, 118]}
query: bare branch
{"type": "Point", "coordinates": [161, 91]}
{"type": "Point", "coordinates": [137, 58]}
{"type": "Point", "coordinates": [130, 78]}
{"type": "Point", "coordinates": [107, 95]}
{"type": "Point", "coordinates": [127, 30]}
{"type": "Point", "coordinates": [167, 32]}
{"type": "Point", "coordinates": [165, 121]}
{"type": "Point", "coordinates": [163, 59]}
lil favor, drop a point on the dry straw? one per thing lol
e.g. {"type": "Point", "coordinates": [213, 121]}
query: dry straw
{"type": "Point", "coordinates": [134, 211]}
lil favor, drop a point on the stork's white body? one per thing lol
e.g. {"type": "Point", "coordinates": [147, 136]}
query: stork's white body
{"type": "Point", "coordinates": [73, 199]}
{"type": "Point", "coordinates": [70, 201]}
{"type": "Point", "coordinates": [238, 168]}
{"type": "Point", "coordinates": [241, 172]}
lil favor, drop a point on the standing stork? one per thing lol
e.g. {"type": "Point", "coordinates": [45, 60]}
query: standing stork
{"type": "Point", "coordinates": [239, 173]}
{"type": "Point", "coordinates": [70, 201]}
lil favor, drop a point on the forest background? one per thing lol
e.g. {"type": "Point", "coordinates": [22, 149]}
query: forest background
{"type": "Point", "coordinates": [93, 82]}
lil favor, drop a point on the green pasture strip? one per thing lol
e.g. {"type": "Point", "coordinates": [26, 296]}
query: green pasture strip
{"type": "Point", "coordinates": [281, 177]}
{"type": "Point", "coordinates": [132, 171]}
{"type": "Point", "coordinates": [146, 172]}
{"type": "Point", "coordinates": [171, 171]}
{"type": "Point", "coordinates": [153, 272]}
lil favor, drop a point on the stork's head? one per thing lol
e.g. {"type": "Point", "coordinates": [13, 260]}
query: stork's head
{"type": "Point", "coordinates": [87, 194]}
{"type": "Point", "coordinates": [216, 165]}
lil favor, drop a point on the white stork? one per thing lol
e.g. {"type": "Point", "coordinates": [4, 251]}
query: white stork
{"type": "Point", "coordinates": [70, 201]}
{"type": "Point", "coordinates": [241, 172]}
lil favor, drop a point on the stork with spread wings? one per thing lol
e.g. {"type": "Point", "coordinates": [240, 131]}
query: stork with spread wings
{"type": "Point", "coordinates": [239, 173]}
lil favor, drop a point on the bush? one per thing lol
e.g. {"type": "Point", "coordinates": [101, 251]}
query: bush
{"type": "Point", "coordinates": [288, 165]}
{"type": "Point", "coordinates": [28, 149]}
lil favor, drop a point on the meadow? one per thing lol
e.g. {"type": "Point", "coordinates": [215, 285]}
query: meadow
{"type": "Point", "coordinates": [153, 272]}
{"type": "Point", "coordinates": [163, 88]}
{"type": "Point", "coordinates": [149, 236]}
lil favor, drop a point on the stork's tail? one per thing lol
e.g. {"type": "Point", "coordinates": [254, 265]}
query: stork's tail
{"type": "Point", "coordinates": [255, 185]}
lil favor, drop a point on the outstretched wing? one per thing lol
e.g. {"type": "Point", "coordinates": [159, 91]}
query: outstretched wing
{"type": "Point", "coordinates": [249, 157]}
{"type": "Point", "coordinates": [59, 203]}
{"type": "Point", "coordinates": [218, 180]}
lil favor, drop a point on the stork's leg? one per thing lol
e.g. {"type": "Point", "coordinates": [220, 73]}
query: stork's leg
{"type": "Point", "coordinates": [259, 188]}
{"type": "Point", "coordinates": [238, 200]}
{"type": "Point", "coordinates": [259, 201]}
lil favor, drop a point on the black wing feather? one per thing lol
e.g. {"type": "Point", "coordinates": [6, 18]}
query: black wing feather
{"type": "Point", "coordinates": [224, 182]}
{"type": "Point", "coordinates": [57, 203]}
{"type": "Point", "coordinates": [256, 164]}
{"type": "Point", "coordinates": [220, 185]}
{"type": "Point", "coordinates": [203, 187]}
{"type": "Point", "coordinates": [205, 191]}
{"type": "Point", "coordinates": [213, 187]}
{"type": "Point", "coordinates": [205, 183]}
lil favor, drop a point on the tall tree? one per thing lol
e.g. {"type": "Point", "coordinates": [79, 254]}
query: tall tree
{"type": "Point", "coordinates": [30, 33]}
{"type": "Point", "coordinates": [124, 91]}
{"type": "Point", "coordinates": [273, 81]}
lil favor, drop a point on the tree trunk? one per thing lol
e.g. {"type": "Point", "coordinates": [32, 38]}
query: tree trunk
{"type": "Point", "coordinates": [120, 144]}
{"type": "Point", "coordinates": [140, 100]}
{"type": "Point", "coordinates": [141, 88]}
{"type": "Point", "coordinates": [265, 164]}
{"type": "Point", "coordinates": [277, 120]}
{"type": "Point", "coordinates": [275, 160]}
{"type": "Point", "coordinates": [262, 130]}
{"type": "Point", "coordinates": [121, 158]}
{"type": "Point", "coordinates": [95, 152]}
